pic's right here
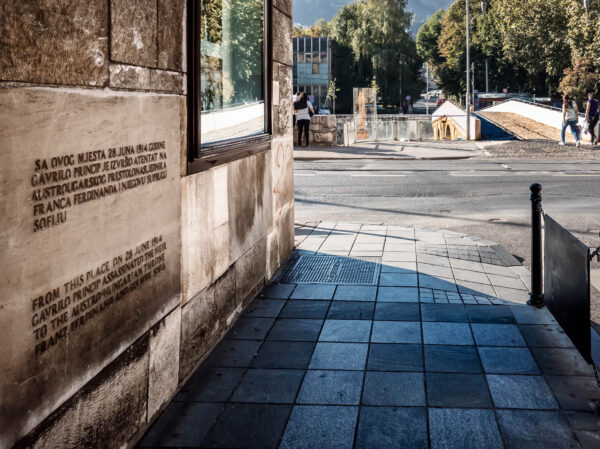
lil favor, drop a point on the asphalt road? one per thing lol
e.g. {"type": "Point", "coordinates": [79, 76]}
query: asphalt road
{"type": "Point", "coordinates": [487, 198]}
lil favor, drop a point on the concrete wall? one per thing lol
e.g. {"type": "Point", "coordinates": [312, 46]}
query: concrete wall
{"type": "Point", "coordinates": [120, 272]}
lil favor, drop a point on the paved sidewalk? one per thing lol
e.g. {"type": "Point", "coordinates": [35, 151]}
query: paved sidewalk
{"type": "Point", "coordinates": [376, 336]}
{"type": "Point", "coordinates": [427, 150]}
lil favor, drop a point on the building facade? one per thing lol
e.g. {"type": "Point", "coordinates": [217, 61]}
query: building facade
{"type": "Point", "coordinates": [147, 190]}
{"type": "Point", "coordinates": [312, 68]}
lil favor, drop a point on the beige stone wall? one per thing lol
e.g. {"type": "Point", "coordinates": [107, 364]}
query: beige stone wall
{"type": "Point", "coordinates": [323, 131]}
{"type": "Point", "coordinates": [78, 79]}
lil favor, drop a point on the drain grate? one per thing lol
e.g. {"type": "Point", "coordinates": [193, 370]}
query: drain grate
{"type": "Point", "coordinates": [334, 270]}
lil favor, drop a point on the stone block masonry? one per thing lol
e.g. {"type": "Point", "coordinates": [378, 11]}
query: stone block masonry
{"type": "Point", "coordinates": [121, 271]}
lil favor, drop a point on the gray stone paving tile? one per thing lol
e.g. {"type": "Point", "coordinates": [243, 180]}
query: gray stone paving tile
{"type": "Point", "coordinates": [457, 390]}
{"type": "Point", "coordinates": [499, 270]}
{"type": "Point", "coordinates": [463, 428]}
{"type": "Point", "coordinates": [182, 424]}
{"type": "Point", "coordinates": [472, 288]}
{"type": "Point", "coordinates": [389, 311]}
{"type": "Point", "coordinates": [398, 294]}
{"type": "Point", "coordinates": [365, 253]}
{"type": "Point", "coordinates": [437, 283]}
{"type": "Point", "coordinates": [477, 277]}
{"type": "Point", "coordinates": [545, 336]}
{"type": "Point", "coordinates": [399, 245]}
{"type": "Point", "coordinates": [452, 359]}
{"type": "Point", "coordinates": [451, 313]}
{"type": "Point", "coordinates": [264, 308]}
{"type": "Point", "coordinates": [532, 315]}
{"type": "Point", "coordinates": [497, 334]}
{"type": "Point", "coordinates": [435, 270]}
{"type": "Point", "coordinates": [210, 385]}
{"type": "Point", "coordinates": [395, 357]}
{"type": "Point", "coordinates": [349, 331]}
{"type": "Point", "coordinates": [511, 294]}
{"type": "Point", "coordinates": [588, 440]}
{"type": "Point", "coordinates": [250, 329]}
{"type": "Point", "coordinates": [490, 314]}
{"type": "Point", "coordinates": [269, 385]}
{"type": "Point", "coordinates": [313, 427]}
{"type": "Point", "coordinates": [399, 267]}
{"type": "Point", "coordinates": [233, 353]}
{"type": "Point", "coordinates": [507, 361]}
{"type": "Point", "coordinates": [392, 427]}
{"type": "Point", "coordinates": [466, 265]}
{"type": "Point", "coordinates": [561, 362]}
{"type": "Point", "coordinates": [305, 309]}
{"type": "Point", "coordinates": [295, 330]}
{"type": "Point", "coordinates": [355, 293]}
{"type": "Point", "coordinates": [574, 393]}
{"type": "Point", "coordinates": [433, 260]}
{"type": "Point", "coordinates": [248, 426]}
{"type": "Point", "coordinates": [277, 291]}
{"type": "Point", "coordinates": [331, 387]}
{"type": "Point", "coordinates": [504, 281]}
{"type": "Point", "coordinates": [350, 310]}
{"type": "Point", "coordinates": [368, 247]}
{"type": "Point", "coordinates": [313, 291]}
{"type": "Point", "coordinates": [399, 256]}
{"type": "Point", "coordinates": [525, 429]}
{"type": "Point", "coordinates": [396, 332]}
{"type": "Point", "coordinates": [342, 356]}
{"type": "Point", "coordinates": [438, 333]}
{"type": "Point", "coordinates": [529, 392]}
{"type": "Point", "coordinates": [398, 280]}
{"type": "Point", "coordinates": [394, 389]}
{"type": "Point", "coordinates": [583, 420]}
{"type": "Point", "coordinates": [284, 354]}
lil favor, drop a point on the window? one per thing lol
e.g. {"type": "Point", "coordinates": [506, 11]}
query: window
{"type": "Point", "coordinates": [316, 68]}
{"type": "Point", "coordinates": [228, 85]}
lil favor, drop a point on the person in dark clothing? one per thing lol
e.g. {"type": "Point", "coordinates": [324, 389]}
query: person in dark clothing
{"type": "Point", "coordinates": [592, 112]}
{"type": "Point", "coordinates": [303, 110]}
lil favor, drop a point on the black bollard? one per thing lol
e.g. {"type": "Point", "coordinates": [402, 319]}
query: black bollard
{"type": "Point", "coordinates": [536, 297]}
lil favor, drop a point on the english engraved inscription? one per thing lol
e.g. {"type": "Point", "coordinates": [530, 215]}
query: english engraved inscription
{"type": "Point", "coordinates": [62, 182]}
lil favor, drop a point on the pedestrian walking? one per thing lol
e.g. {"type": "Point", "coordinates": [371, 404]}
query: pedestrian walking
{"type": "Point", "coordinates": [592, 112]}
{"type": "Point", "coordinates": [304, 111]}
{"type": "Point", "coordinates": [570, 114]}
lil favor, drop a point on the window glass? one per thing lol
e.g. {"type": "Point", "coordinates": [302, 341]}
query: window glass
{"type": "Point", "coordinates": [315, 44]}
{"type": "Point", "coordinates": [316, 68]}
{"type": "Point", "coordinates": [308, 57]}
{"type": "Point", "coordinates": [301, 44]}
{"type": "Point", "coordinates": [308, 46]}
{"type": "Point", "coordinates": [231, 69]}
{"type": "Point", "coordinates": [323, 44]}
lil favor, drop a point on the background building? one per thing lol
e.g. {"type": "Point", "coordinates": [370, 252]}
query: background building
{"type": "Point", "coordinates": [312, 68]}
{"type": "Point", "coordinates": [147, 168]}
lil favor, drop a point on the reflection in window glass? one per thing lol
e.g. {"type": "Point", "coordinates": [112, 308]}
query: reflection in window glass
{"type": "Point", "coordinates": [316, 68]}
{"type": "Point", "coordinates": [232, 48]}
{"type": "Point", "coordinates": [308, 57]}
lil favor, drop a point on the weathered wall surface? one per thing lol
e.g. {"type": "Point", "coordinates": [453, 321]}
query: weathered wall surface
{"type": "Point", "coordinates": [121, 272]}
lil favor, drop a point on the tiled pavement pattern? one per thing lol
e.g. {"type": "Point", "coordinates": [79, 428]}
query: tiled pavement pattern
{"type": "Point", "coordinates": [413, 362]}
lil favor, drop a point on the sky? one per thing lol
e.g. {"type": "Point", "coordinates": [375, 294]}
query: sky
{"type": "Point", "coordinates": [306, 12]}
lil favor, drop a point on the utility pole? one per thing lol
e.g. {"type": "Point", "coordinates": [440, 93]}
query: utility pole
{"type": "Point", "coordinates": [468, 99]}
{"type": "Point", "coordinates": [427, 90]}
{"type": "Point", "coordinates": [487, 85]}
{"type": "Point", "coordinates": [473, 83]}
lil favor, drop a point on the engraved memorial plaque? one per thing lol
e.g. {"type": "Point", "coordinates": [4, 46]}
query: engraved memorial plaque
{"type": "Point", "coordinates": [90, 225]}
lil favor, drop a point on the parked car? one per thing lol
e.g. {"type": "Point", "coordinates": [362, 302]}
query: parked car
{"type": "Point", "coordinates": [324, 111]}
{"type": "Point", "coordinates": [440, 101]}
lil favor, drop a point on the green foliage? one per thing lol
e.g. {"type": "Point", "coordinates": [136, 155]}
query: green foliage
{"type": "Point", "coordinates": [579, 80]}
{"type": "Point", "coordinates": [530, 45]}
{"type": "Point", "coordinates": [427, 39]}
{"type": "Point", "coordinates": [374, 33]}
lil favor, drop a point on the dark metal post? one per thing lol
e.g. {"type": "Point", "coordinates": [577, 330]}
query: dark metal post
{"type": "Point", "coordinates": [537, 295]}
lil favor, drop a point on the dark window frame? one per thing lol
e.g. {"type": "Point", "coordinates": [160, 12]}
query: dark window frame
{"type": "Point", "coordinates": [202, 157]}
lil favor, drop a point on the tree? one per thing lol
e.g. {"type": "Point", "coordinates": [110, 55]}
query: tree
{"type": "Point", "coordinates": [579, 80]}
{"type": "Point", "coordinates": [332, 91]}
{"type": "Point", "coordinates": [427, 39]}
{"type": "Point", "coordinates": [375, 33]}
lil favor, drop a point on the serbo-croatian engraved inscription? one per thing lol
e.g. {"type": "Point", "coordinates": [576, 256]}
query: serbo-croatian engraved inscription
{"type": "Point", "coordinates": [62, 182]}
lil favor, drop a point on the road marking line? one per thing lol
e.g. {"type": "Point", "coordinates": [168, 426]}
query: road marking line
{"type": "Point", "coordinates": [304, 174]}
{"type": "Point", "coordinates": [576, 175]}
{"type": "Point", "coordinates": [378, 176]}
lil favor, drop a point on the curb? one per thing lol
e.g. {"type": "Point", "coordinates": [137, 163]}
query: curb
{"type": "Point", "coordinates": [384, 158]}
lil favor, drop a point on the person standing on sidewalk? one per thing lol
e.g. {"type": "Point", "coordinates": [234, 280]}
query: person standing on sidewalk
{"type": "Point", "coordinates": [304, 111]}
{"type": "Point", "coordinates": [570, 115]}
{"type": "Point", "coordinates": [591, 116]}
